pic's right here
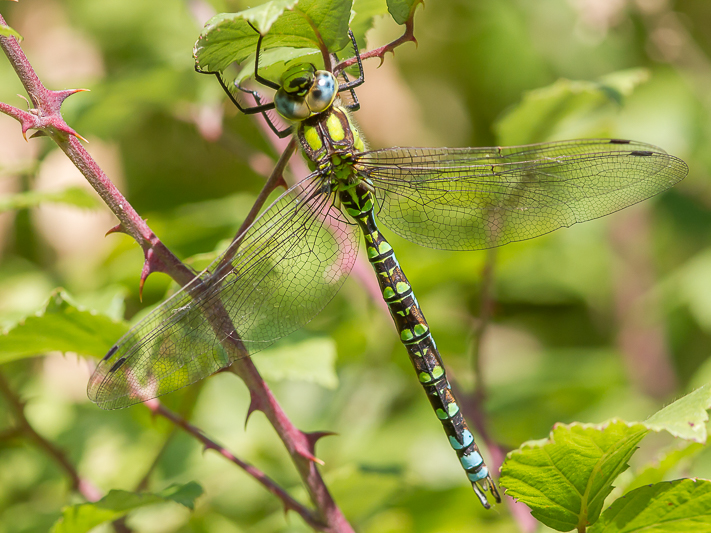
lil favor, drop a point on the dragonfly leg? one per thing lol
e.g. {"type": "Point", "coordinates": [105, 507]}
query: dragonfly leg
{"type": "Point", "coordinates": [262, 109]}
{"type": "Point", "coordinates": [259, 108]}
{"type": "Point", "coordinates": [257, 77]}
{"type": "Point", "coordinates": [350, 85]}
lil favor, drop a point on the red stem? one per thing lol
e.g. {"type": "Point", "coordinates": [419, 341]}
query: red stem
{"type": "Point", "coordinates": [46, 106]}
{"type": "Point", "coordinates": [83, 486]}
{"type": "Point", "coordinates": [408, 36]}
{"type": "Point", "coordinates": [290, 503]}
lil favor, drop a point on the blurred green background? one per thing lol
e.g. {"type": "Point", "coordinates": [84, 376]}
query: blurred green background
{"type": "Point", "coordinates": [610, 318]}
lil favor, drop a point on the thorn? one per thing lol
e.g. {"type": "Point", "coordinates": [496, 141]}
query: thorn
{"type": "Point", "coordinates": [310, 457]}
{"type": "Point", "coordinates": [282, 183]}
{"type": "Point", "coordinates": [26, 126]}
{"type": "Point", "coordinates": [59, 124]}
{"type": "Point", "coordinates": [66, 93]}
{"type": "Point", "coordinates": [314, 436]}
{"type": "Point", "coordinates": [150, 265]}
{"type": "Point", "coordinates": [311, 441]}
{"type": "Point", "coordinates": [37, 134]}
{"type": "Point", "coordinates": [25, 99]}
{"type": "Point", "coordinates": [254, 405]}
{"type": "Point", "coordinates": [288, 507]}
{"type": "Point", "coordinates": [207, 447]}
{"type": "Point", "coordinates": [118, 228]}
{"type": "Point", "coordinates": [145, 272]}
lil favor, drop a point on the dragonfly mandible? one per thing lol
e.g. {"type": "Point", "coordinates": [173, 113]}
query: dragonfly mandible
{"type": "Point", "coordinates": [283, 269]}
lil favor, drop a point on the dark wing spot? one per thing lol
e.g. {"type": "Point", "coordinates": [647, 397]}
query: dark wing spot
{"type": "Point", "coordinates": [643, 153]}
{"type": "Point", "coordinates": [619, 141]}
{"type": "Point", "coordinates": [117, 364]}
{"type": "Point", "coordinates": [110, 352]}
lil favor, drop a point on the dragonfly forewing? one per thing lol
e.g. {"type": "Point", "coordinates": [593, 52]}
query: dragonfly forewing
{"type": "Point", "coordinates": [288, 266]}
{"type": "Point", "coordinates": [476, 198]}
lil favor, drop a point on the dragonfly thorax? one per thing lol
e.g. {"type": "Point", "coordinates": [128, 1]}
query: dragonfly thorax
{"type": "Point", "coordinates": [305, 92]}
{"type": "Point", "coordinates": [330, 142]}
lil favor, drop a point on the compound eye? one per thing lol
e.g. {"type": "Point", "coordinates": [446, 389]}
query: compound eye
{"type": "Point", "coordinates": [291, 107]}
{"type": "Point", "coordinates": [323, 91]}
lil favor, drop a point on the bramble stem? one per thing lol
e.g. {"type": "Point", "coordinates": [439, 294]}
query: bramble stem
{"type": "Point", "coordinates": [273, 182]}
{"type": "Point", "coordinates": [408, 36]}
{"type": "Point", "coordinates": [46, 117]}
{"type": "Point", "coordinates": [81, 485]}
{"type": "Point", "coordinates": [158, 408]}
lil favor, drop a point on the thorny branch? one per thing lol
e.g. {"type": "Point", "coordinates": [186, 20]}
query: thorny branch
{"type": "Point", "coordinates": [407, 36]}
{"type": "Point", "coordinates": [45, 116]}
{"type": "Point", "coordinates": [81, 485]}
{"type": "Point", "coordinates": [289, 503]}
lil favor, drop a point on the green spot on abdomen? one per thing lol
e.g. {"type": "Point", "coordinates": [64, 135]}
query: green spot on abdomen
{"type": "Point", "coordinates": [437, 372]}
{"type": "Point", "coordinates": [424, 377]}
{"type": "Point", "coordinates": [388, 293]}
{"type": "Point", "coordinates": [406, 335]}
{"type": "Point", "coordinates": [401, 287]}
{"type": "Point", "coordinates": [452, 409]}
{"type": "Point", "coordinates": [420, 329]}
{"type": "Point", "coordinates": [384, 247]}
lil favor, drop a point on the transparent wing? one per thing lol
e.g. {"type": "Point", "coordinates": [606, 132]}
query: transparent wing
{"type": "Point", "coordinates": [289, 265]}
{"type": "Point", "coordinates": [474, 198]}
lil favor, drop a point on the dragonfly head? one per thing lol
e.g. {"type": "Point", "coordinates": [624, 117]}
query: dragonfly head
{"type": "Point", "coordinates": [305, 92]}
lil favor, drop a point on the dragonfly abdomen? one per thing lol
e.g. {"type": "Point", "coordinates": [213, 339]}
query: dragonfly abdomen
{"type": "Point", "coordinates": [415, 334]}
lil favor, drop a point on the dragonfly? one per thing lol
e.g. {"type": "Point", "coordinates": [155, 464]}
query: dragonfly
{"type": "Point", "coordinates": [292, 260]}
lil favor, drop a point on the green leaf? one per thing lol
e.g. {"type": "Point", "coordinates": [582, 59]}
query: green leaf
{"type": "Point", "coordinates": [7, 31]}
{"type": "Point", "coordinates": [272, 62]}
{"type": "Point", "coordinates": [83, 517]}
{"type": "Point", "coordinates": [564, 108]}
{"type": "Point", "coordinates": [671, 460]}
{"type": "Point", "coordinates": [402, 10]}
{"type": "Point", "coordinates": [686, 417]}
{"type": "Point", "coordinates": [565, 479]}
{"type": "Point", "coordinates": [76, 196]}
{"type": "Point", "coordinates": [61, 326]}
{"type": "Point", "coordinates": [365, 11]}
{"type": "Point", "coordinates": [312, 360]}
{"type": "Point", "coordinates": [682, 505]}
{"type": "Point", "coordinates": [316, 24]}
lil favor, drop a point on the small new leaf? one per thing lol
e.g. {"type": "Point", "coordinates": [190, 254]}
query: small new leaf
{"type": "Point", "coordinates": [61, 326]}
{"type": "Point", "coordinates": [682, 505]}
{"type": "Point", "coordinates": [83, 517]}
{"type": "Point", "coordinates": [7, 31]}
